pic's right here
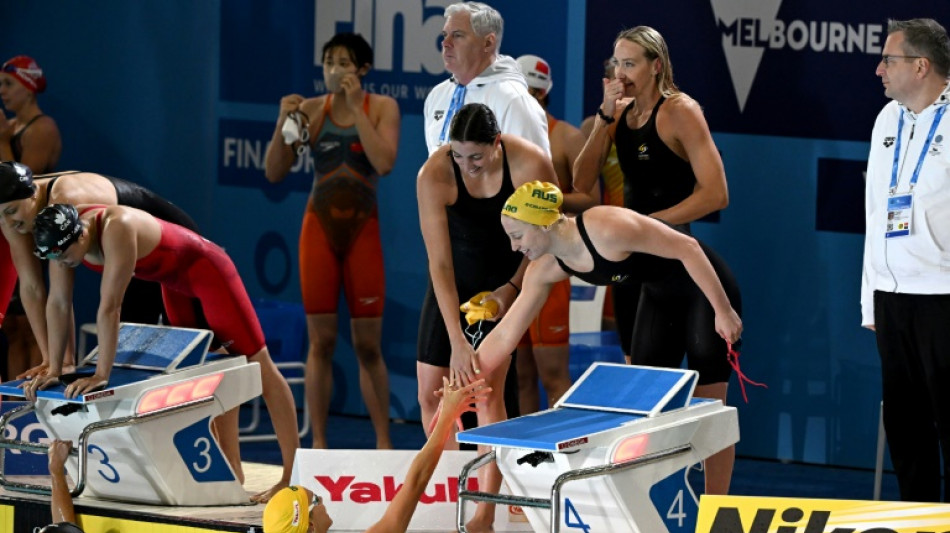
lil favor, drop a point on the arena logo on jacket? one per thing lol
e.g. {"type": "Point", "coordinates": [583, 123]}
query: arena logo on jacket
{"type": "Point", "coordinates": [750, 28]}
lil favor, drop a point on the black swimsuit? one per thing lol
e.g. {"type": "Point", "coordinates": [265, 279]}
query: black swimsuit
{"type": "Point", "coordinates": [482, 258]}
{"type": "Point", "coordinates": [674, 317]}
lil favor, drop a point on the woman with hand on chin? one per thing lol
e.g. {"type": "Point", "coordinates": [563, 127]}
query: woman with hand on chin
{"type": "Point", "coordinates": [353, 137]}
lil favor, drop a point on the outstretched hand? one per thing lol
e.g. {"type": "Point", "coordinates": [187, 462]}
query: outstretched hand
{"type": "Point", "coordinates": [458, 399]}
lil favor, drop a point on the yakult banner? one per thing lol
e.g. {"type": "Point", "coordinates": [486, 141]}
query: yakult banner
{"type": "Point", "coordinates": [738, 514]}
{"type": "Point", "coordinates": [357, 486]}
{"type": "Point", "coordinates": [773, 67]}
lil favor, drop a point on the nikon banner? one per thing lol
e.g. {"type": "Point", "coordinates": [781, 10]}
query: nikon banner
{"type": "Point", "coordinates": [740, 514]}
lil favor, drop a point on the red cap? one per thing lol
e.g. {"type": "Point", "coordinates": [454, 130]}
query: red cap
{"type": "Point", "coordinates": [27, 72]}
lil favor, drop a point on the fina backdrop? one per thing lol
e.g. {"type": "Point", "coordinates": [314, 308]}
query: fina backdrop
{"type": "Point", "coordinates": [182, 96]}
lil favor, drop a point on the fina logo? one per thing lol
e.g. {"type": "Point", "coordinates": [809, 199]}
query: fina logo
{"type": "Point", "coordinates": [748, 28]}
{"type": "Point", "coordinates": [420, 21]}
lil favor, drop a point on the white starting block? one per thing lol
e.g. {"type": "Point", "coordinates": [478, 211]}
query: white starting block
{"type": "Point", "coordinates": [146, 437]}
{"type": "Point", "coordinates": [612, 455]}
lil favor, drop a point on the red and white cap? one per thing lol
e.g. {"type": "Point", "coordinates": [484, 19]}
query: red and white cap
{"type": "Point", "coordinates": [27, 72]}
{"type": "Point", "coordinates": [536, 71]}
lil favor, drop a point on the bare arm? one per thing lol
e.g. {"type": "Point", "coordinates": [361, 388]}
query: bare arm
{"type": "Point", "coordinates": [58, 315]}
{"type": "Point", "coordinates": [690, 138]}
{"type": "Point", "coordinates": [455, 401]}
{"type": "Point", "coordinates": [571, 140]}
{"type": "Point", "coordinates": [119, 245]}
{"type": "Point", "coordinates": [61, 502]}
{"type": "Point", "coordinates": [279, 156]}
{"type": "Point", "coordinates": [32, 285]}
{"type": "Point", "coordinates": [380, 140]}
{"type": "Point", "coordinates": [541, 275]}
{"type": "Point", "coordinates": [621, 231]}
{"type": "Point", "coordinates": [592, 156]}
{"type": "Point", "coordinates": [434, 193]}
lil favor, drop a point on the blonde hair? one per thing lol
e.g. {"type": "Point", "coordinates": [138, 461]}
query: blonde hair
{"type": "Point", "coordinates": [655, 48]}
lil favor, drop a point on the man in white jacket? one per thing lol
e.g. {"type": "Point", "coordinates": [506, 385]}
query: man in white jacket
{"type": "Point", "coordinates": [471, 40]}
{"type": "Point", "coordinates": [905, 295]}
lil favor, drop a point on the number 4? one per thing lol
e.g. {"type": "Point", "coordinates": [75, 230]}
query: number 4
{"type": "Point", "coordinates": [676, 512]}
{"type": "Point", "coordinates": [572, 518]}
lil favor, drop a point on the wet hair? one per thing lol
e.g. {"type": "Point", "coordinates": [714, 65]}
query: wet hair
{"type": "Point", "coordinates": [926, 38]}
{"type": "Point", "coordinates": [475, 123]}
{"type": "Point", "coordinates": [485, 19]}
{"type": "Point", "coordinates": [356, 46]}
{"type": "Point", "coordinates": [654, 47]}
{"type": "Point", "coordinates": [55, 229]}
{"type": "Point", "coordinates": [16, 181]}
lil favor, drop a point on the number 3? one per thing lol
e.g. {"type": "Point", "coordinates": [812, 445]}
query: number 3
{"type": "Point", "coordinates": [105, 461]}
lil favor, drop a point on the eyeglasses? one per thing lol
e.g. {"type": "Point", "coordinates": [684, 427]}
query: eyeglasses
{"type": "Point", "coordinates": [887, 60]}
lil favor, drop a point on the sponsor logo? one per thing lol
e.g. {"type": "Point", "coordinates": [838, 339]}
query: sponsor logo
{"type": "Point", "coordinates": [347, 488]}
{"type": "Point", "coordinates": [571, 443]}
{"type": "Point", "coordinates": [405, 40]}
{"type": "Point", "coordinates": [889, 141]}
{"type": "Point", "coordinates": [643, 152]}
{"type": "Point", "coordinates": [750, 28]}
{"type": "Point", "coordinates": [326, 146]}
{"type": "Point", "coordinates": [618, 278]}
{"type": "Point", "coordinates": [936, 147]}
{"type": "Point", "coordinates": [97, 395]}
{"type": "Point", "coordinates": [732, 514]}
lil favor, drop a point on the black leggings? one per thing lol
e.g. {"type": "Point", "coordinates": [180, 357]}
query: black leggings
{"type": "Point", "coordinates": [674, 317]}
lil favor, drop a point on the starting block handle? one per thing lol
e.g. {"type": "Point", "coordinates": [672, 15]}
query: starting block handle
{"type": "Point", "coordinates": [81, 448]}
{"type": "Point", "coordinates": [554, 502]}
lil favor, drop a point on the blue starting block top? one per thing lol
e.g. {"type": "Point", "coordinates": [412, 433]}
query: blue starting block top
{"type": "Point", "coordinates": [143, 351]}
{"type": "Point", "coordinates": [157, 348]}
{"type": "Point", "coordinates": [548, 431]}
{"type": "Point", "coordinates": [606, 397]}
{"type": "Point", "coordinates": [631, 389]}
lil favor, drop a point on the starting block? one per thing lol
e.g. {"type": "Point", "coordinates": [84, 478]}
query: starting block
{"type": "Point", "coordinates": [612, 455]}
{"type": "Point", "coordinates": [146, 437]}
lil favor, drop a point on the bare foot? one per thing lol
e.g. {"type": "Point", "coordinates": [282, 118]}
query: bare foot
{"type": "Point", "coordinates": [264, 497]}
{"type": "Point", "coordinates": [480, 524]}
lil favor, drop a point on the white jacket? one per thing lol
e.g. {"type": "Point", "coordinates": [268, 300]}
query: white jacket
{"type": "Point", "coordinates": [920, 262]}
{"type": "Point", "coordinates": [503, 89]}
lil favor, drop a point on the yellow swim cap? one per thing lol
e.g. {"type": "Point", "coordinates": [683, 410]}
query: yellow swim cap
{"type": "Point", "coordinates": [476, 310]}
{"type": "Point", "coordinates": [288, 511]}
{"type": "Point", "coordinates": [536, 203]}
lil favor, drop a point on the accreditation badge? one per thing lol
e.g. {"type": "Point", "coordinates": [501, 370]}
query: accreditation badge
{"type": "Point", "coordinates": [899, 214]}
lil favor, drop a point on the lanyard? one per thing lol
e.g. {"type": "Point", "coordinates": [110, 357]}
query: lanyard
{"type": "Point", "coordinates": [923, 153]}
{"type": "Point", "coordinates": [458, 97]}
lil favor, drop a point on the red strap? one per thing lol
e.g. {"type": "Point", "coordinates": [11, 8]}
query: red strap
{"type": "Point", "coordinates": [732, 356]}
